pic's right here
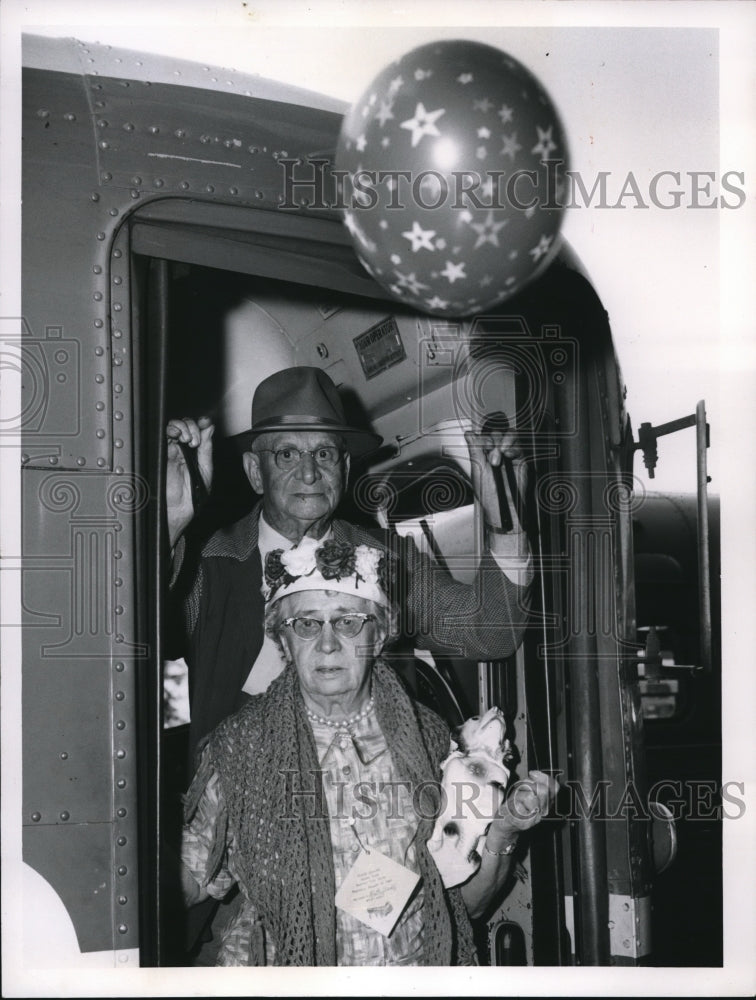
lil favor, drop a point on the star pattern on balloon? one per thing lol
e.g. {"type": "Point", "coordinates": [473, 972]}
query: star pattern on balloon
{"type": "Point", "coordinates": [455, 130]}
{"type": "Point", "coordinates": [423, 123]}
{"type": "Point", "coordinates": [419, 237]}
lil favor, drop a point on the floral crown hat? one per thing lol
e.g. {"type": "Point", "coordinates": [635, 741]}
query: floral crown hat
{"type": "Point", "coordinates": [358, 570]}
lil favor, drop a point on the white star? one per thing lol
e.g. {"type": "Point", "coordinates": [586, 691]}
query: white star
{"type": "Point", "coordinates": [484, 105]}
{"type": "Point", "coordinates": [385, 142]}
{"type": "Point", "coordinates": [395, 258]}
{"type": "Point", "coordinates": [440, 244]}
{"type": "Point", "coordinates": [383, 224]}
{"type": "Point", "coordinates": [410, 282]}
{"type": "Point", "coordinates": [465, 216]}
{"type": "Point", "coordinates": [361, 143]}
{"type": "Point", "coordinates": [384, 112]}
{"type": "Point", "coordinates": [371, 101]}
{"type": "Point", "coordinates": [453, 271]}
{"type": "Point", "coordinates": [484, 133]}
{"type": "Point", "coordinates": [545, 144]}
{"type": "Point", "coordinates": [538, 251]}
{"type": "Point", "coordinates": [420, 238]}
{"type": "Point", "coordinates": [488, 231]}
{"type": "Point", "coordinates": [423, 74]}
{"type": "Point", "coordinates": [395, 84]}
{"type": "Point", "coordinates": [505, 113]}
{"type": "Point", "coordinates": [511, 146]}
{"type": "Point", "coordinates": [513, 255]}
{"type": "Point", "coordinates": [437, 303]}
{"type": "Point", "coordinates": [485, 281]}
{"type": "Point", "coordinates": [465, 78]}
{"type": "Point", "coordinates": [424, 123]}
{"type": "Point", "coordinates": [480, 152]}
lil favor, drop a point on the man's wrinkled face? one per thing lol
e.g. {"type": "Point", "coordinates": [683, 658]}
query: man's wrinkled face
{"type": "Point", "coordinates": [306, 492]}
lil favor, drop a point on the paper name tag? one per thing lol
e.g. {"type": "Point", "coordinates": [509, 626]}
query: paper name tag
{"type": "Point", "coordinates": [376, 891]}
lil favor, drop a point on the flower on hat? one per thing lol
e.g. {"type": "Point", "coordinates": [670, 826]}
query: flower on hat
{"type": "Point", "coordinates": [300, 560]}
{"type": "Point", "coordinates": [366, 563]}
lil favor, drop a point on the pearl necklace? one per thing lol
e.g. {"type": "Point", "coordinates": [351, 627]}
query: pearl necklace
{"type": "Point", "coordinates": [341, 723]}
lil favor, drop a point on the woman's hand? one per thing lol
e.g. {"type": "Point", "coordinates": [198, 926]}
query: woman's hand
{"type": "Point", "coordinates": [528, 801]}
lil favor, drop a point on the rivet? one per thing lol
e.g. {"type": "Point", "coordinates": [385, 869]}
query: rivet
{"type": "Point", "coordinates": [70, 116]}
{"type": "Point", "coordinates": [117, 387]}
{"type": "Point", "coordinates": [53, 460]}
{"type": "Point", "coordinates": [118, 443]}
{"type": "Point", "coordinates": [97, 296]}
{"type": "Point", "coordinates": [233, 190]}
{"type": "Point", "coordinates": [24, 459]}
{"type": "Point", "coordinates": [134, 193]}
{"type": "Point", "coordinates": [179, 133]}
{"type": "Point", "coordinates": [97, 269]}
{"type": "Point", "coordinates": [99, 351]}
{"type": "Point", "coordinates": [122, 900]}
{"type": "Point", "coordinates": [36, 817]}
{"type": "Point", "coordinates": [184, 185]}
{"type": "Point", "coordinates": [118, 415]}
{"type": "Point", "coordinates": [101, 236]}
{"type": "Point", "coordinates": [259, 194]}
{"type": "Point", "coordinates": [65, 815]}
{"type": "Point", "coordinates": [119, 666]}
{"type": "Point", "coordinates": [100, 406]}
{"type": "Point", "coordinates": [119, 472]}
{"type": "Point", "coordinates": [43, 113]}
{"type": "Point", "coordinates": [120, 724]}
{"type": "Point", "coordinates": [60, 377]}
{"type": "Point", "coordinates": [102, 123]}
{"type": "Point", "coordinates": [99, 104]}
{"type": "Point", "coordinates": [117, 334]}
{"type": "Point", "coordinates": [121, 783]}
{"type": "Point", "coordinates": [153, 129]}
{"type": "Point", "coordinates": [158, 182]}
{"type": "Point", "coordinates": [122, 929]}
{"type": "Point", "coordinates": [120, 696]}
{"type": "Point", "coordinates": [113, 211]}
{"type": "Point", "coordinates": [64, 755]}
{"type": "Point", "coordinates": [118, 253]}
{"type": "Point", "coordinates": [322, 351]}
{"type": "Point", "coordinates": [101, 463]}
{"type": "Point", "coordinates": [81, 461]}
{"type": "Point", "coordinates": [121, 812]}
{"type": "Point", "coordinates": [119, 610]}
{"type": "Point", "coordinates": [95, 197]}
{"type": "Point", "coordinates": [122, 869]}
{"type": "Point", "coordinates": [99, 379]}
{"type": "Point", "coordinates": [210, 188]}
{"type": "Point", "coordinates": [106, 175]}
{"type": "Point", "coordinates": [118, 581]}
{"type": "Point", "coordinates": [98, 323]}
{"type": "Point", "coordinates": [119, 637]}
{"type": "Point", "coordinates": [117, 362]}
{"type": "Point", "coordinates": [117, 307]}
{"type": "Point", "coordinates": [117, 280]}
{"type": "Point", "coordinates": [100, 433]}
{"type": "Point", "coordinates": [128, 127]}
{"type": "Point", "coordinates": [120, 754]}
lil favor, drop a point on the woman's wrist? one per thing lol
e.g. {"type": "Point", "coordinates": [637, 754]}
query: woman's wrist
{"type": "Point", "coordinates": [501, 838]}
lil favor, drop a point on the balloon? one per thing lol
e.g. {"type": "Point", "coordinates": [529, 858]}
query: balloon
{"type": "Point", "coordinates": [449, 169]}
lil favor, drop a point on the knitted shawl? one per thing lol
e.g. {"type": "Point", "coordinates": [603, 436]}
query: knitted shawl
{"type": "Point", "coordinates": [275, 809]}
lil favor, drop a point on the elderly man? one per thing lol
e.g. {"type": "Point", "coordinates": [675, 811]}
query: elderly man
{"type": "Point", "coordinates": [297, 457]}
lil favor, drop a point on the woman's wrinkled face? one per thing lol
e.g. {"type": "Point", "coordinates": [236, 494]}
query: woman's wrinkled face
{"type": "Point", "coordinates": [331, 667]}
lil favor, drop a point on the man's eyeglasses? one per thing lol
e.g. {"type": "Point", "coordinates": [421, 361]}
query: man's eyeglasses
{"type": "Point", "coordinates": [347, 626]}
{"type": "Point", "coordinates": [325, 457]}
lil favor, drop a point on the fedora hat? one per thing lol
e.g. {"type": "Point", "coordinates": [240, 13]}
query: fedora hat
{"type": "Point", "coordinates": [304, 398]}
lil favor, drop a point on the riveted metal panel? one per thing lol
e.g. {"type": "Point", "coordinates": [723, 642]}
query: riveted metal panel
{"type": "Point", "coordinates": [95, 879]}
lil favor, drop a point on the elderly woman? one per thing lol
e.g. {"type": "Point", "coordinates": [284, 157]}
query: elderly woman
{"type": "Point", "coordinates": [318, 797]}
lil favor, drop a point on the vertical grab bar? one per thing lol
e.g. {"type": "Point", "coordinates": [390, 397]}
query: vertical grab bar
{"type": "Point", "coordinates": [704, 580]}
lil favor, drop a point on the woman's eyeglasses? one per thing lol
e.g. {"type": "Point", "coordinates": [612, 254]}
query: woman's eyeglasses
{"type": "Point", "coordinates": [347, 626]}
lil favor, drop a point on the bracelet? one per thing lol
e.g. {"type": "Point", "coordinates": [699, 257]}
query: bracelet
{"type": "Point", "coordinates": [500, 854]}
